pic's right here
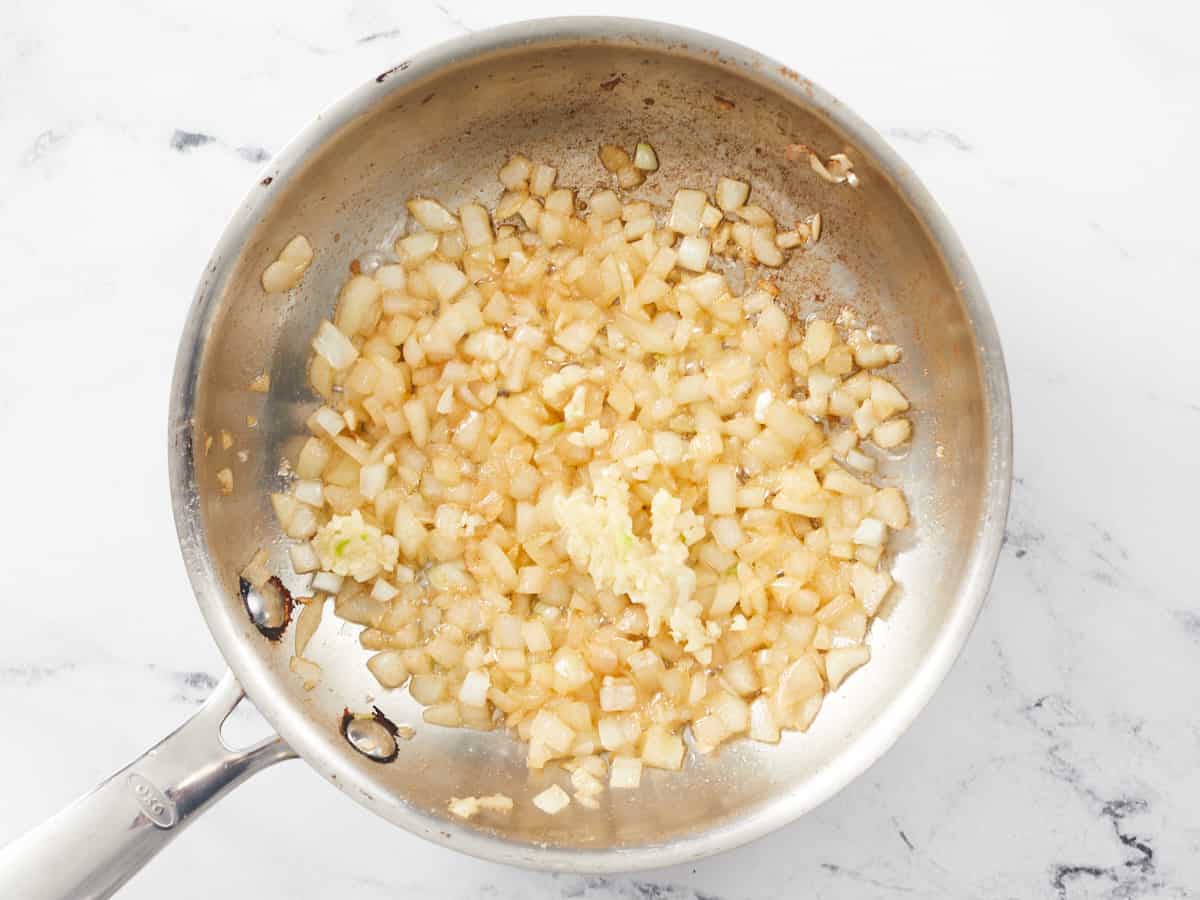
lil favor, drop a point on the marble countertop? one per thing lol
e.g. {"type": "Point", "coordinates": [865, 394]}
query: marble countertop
{"type": "Point", "coordinates": [1059, 760]}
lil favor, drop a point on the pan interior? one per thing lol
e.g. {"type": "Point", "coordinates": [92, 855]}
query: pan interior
{"type": "Point", "coordinates": [444, 130]}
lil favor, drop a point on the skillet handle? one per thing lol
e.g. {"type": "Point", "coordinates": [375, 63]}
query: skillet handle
{"type": "Point", "coordinates": [91, 848]}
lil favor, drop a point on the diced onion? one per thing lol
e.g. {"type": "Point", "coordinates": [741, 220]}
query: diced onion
{"type": "Point", "coordinates": [432, 215]}
{"type": "Point", "coordinates": [841, 661]}
{"type": "Point", "coordinates": [515, 173]}
{"type": "Point", "coordinates": [645, 158]}
{"type": "Point", "coordinates": [383, 591]}
{"type": "Point", "coordinates": [286, 271]}
{"type": "Point", "coordinates": [327, 582]}
{"type": "Point", "coordinates": [334, 347]}
{"type": "Point", "coordinates": [892, 433]}
{"type": "Point", "coordinates": [552, 800]}
{"type": "Point", "coordinates": [372, 480]}
{"type": "Point", "coordinates": [693, 253]}
{"type": "Point", "coordinates": [256, 571]}
{"type": "Point", "coordinates": [732, 194]}
{"type": "Point", "coordinates": [476, 225]}
{"type": "Point", "coordinates": [870, 532]}
{"type": "Point", "coordinates": [662, 749]}
{"type": "Point", "coordinates": [474, 688]}
{"type": "Point", "coordinates": [686, 211]}
{"type": "Point", "coordinates": [626, 773]}
{"type": "Point", "coordinates": [304, 558]}
{"type": "Point", "coordinates": [589, 488]}
{"type": "Point", "coordinates": [307, 624]}
{"type": "Point", "coordinates": [310, 491]}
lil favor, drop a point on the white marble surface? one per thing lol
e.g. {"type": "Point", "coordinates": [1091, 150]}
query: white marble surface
{"type": "Point", "coordinates": [1060, 758]}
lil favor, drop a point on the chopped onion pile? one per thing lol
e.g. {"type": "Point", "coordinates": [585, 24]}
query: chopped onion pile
{"type": "Point", "coordinates": [571, 484]}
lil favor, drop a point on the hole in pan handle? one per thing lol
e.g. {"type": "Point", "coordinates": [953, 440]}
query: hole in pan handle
{"type": "Point", "coordinates": [101, 840]}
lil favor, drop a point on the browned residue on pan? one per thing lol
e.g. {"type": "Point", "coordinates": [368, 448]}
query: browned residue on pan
{"type": "Point", "coordinates": [271, 633]}
{"type": "Point", "coordinates": [383, 76]}
{"type": "Point", "coordinates": [378, 715]}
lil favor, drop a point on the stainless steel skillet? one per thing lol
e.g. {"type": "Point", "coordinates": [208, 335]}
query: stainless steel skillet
{"type": "Point", "coordinates": [442, 123]}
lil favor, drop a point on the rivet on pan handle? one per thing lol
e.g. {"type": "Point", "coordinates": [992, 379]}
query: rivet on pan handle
{"type": "Point", "coordinates": [100, 841]}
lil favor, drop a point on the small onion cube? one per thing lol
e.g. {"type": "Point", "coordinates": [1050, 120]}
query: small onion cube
{"type": "Point", "coordinates": [310, 491]}
{"type": "Point", "coordinates": [841, 661]}
{"type": "Point", "coordinates": [763, 726]}
{"type": "Point", "coordinates": [662, 749]}
{"type": "Point", "coordinates": [388, 668]}
{"type": "Point", "coordinates": [693, 254]}
{"type": "Point", "coordinates": [304, 558]}
{"type": "Point", "coordinates": [383, 591]}
{"type": "Point", "coordinates": [447, 280]}
{"type": "Point", "coordinates": [552, 800]}
{"type": "Point", "coordinates": [256, 571]}
{"type": "Point", "coordinates": [686, 211]}
{"type": "Point", "coordinates": [619, 731]}
{"type": "Point", "coordinates": [626, 773]}
{"type": "Point", "coordinates": [856, 459]}
{"type": "Point", "coordinates": [892, 433]}
{"type": "Point", "coordinates": [722, 489]}
{"type": "Point", "coordinates": [888, 505]}
{"type": "Point", "coordinates": [463, 807]}
{"type": "Point", "coordinates": [432, 215]}
{"type": "Point", "coordinates": [475, 688]}
{"type": "Point", "coordinates": [645, 158]}
{"type": "Point", "coordinates": [617, 695]}
{"type": "Point", "coordinates": [762, 243]}
{"type": "Point", "coordinates": [541, 182]}
{"type": "Point", "coordinates": [372, 480]}
{"type": "Point", "coordinates": [334, 347]}
{"type": "Point", "coordinates": [515, 173]}
{"type": "Point", "coordinates": [327, 582]}
{"type": "Point", "coordinates": [476, 225]}
{"type": "Point", "coordinates": [732, 194]}
{"type": "Point", "coordinates": [871, 533]}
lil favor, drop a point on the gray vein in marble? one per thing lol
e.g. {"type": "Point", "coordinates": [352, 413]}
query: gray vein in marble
{"type": "Point", "coordinates": [42, 146]}
{"type": "Point", "coordinates": [1022, 535]}
{"type": "Point", "coordinates": [187, 141]}
{"type": "Point", "coordinates": [253, 154]}
{"type": "Point", "coordinates": [930, 136]}
{"type": "Point", "coordinates": [379, 36]}
{"type": "Point", "coordinates": [1189, 621]}
{"type": "Point", "coordinates": [862, 878]}
{"type": "Point", "coordinates": [587, 887]}
{"type": "Point", "coordinates": [183, 141]}
{"type": "Point", "coordinates": [1109, 554]}
{"type": "Point", "coordinates": [191, 687]}
{"type": "Point", "coordinates": [1136, 876]}
{"type": "Point", "coordinates": [452, 18]}
{"type": "Point", "coordinates": [1054, 717]}
{"type": "Point", "coordinates": [33, 674]}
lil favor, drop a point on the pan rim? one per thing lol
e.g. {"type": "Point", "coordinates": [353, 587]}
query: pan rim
{"type": "Point", "coordinates": [288, 718]}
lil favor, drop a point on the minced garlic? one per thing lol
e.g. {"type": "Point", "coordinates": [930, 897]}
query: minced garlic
{"type": "Point", "coordinates": [347, 545]}
{"type": "Point", "coordinates": [654, 573]}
